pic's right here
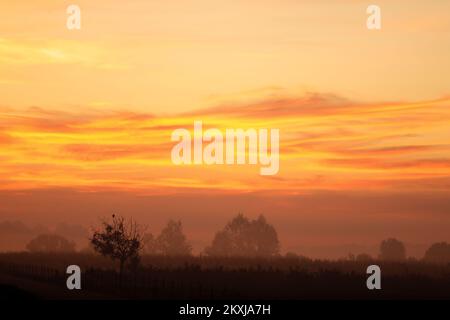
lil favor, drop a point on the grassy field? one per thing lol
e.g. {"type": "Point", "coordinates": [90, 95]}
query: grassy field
{"type": "Point", "coordinates": [159, 277]}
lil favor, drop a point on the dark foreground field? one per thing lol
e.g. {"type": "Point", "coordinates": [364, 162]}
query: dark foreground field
{"type": "Point", "coordinates": [42, 276]}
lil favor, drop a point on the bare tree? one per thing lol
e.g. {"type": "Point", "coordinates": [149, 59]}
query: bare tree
{"type": "Point", "coordinates": [120, 240]}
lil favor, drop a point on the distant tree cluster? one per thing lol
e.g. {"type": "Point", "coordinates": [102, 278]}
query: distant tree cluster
{"type": "Point", "coordinates": [244, 237]}
{"type": "Point", "coordinates": [438, 253]}
{"type": "Point", "coordinates": [50, 243]}
{"type": "Point", "coordinates": [170, 242]}
{"type": "Point", "coordinates": [392, 250]}
{"type": "Point", "coordinates": [240, 237]}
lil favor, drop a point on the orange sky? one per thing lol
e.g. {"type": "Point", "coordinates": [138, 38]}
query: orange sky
{"type": "Point", "coordinates": [171, 56]}
{"type": "Point", "coordinates": [363, 115]}
{"type": "Point", "coordinates": [327, 143]}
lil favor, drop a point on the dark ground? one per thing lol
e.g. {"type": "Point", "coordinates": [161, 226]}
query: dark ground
{"type": "Point", "coordinates": [40, 276]}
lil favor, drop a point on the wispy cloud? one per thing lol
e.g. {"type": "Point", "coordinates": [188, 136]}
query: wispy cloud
{"type": "Point", "coordinates": [41, 52]}
{"type": "Point", "coordinates": [326, 143]}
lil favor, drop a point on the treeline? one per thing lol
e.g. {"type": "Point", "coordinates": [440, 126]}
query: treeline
{"type": "Point", "coordinates": [15, 235]}
{"type": "Point", "coordinates": [240, 237]}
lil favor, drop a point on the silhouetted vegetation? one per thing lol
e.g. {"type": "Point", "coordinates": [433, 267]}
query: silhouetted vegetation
{"type": "Point", "coordinates": [244, 237]}
{"type": "Point", "coordinates": [50, 243]}
{"type": "Point", "coordinates": [119, 240]}
{"type": "Point", "coordinates": [170, 242]}
{"type": "Point", "coordinates": [392, 250]}
{"type": "Point", "coordinates": [438, 253]}
{"type": "Point", "coordinates": [15, 235]}
{"type": "Point", "coordinates": [190, 277]}
{"type": "Point", "coordinates": [243, 262]}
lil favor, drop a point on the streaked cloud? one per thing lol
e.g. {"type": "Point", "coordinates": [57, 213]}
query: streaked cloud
{"type": "Point", "coordinates": [327, 143]}
{"type": "Point", "coordinates": [45, 51]}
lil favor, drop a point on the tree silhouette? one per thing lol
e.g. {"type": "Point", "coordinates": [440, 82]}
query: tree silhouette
{"type": "Point", "coordinates": [120, 240]}
{"type": "Point", "coordinates": [172, 241]}
{"type": "Point", "coordinates": [50, 243]}
{"type": "Point", "coordinates": [438, 253]}
{"type": "Point", "coordinates": [244, 237]}
{"type": "Point", "coordinates": [392, 250]}
{"type": "Point", "coordinates": [149, 244]}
